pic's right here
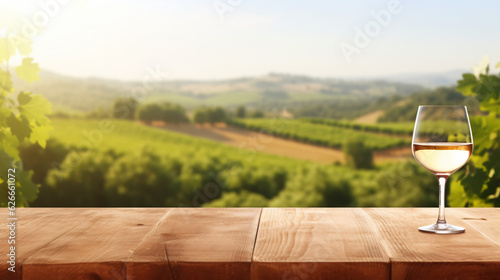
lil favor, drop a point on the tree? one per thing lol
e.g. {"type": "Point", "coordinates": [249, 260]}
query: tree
{"type": "Point", "coordinates": [209, 115]}
{"type": "Point", "coordinates": [22, 119]}
{"type": "Point", "coordinates": [124, 108]}
{"type": "Point", "coordinates": [141, 179]}
{"type": "Point", "coordinates": [358, 155]}
{"type": "Point", "coordinates": [79, 181]}
{"type": "Point", "coordinates": [149, 113]}
{"type": "Point", "coordinates": [216, 115]}
{"type": "Point", "coordinates": [174, 113]}
{"type": "Point", "coordinates": [241, 112]}
{"type": "Point", "coordinates": [257, 114]}
{"type": "Point", "coordinates": [200, 116]}
{"type": "Point", "coordinates": [479, 184]}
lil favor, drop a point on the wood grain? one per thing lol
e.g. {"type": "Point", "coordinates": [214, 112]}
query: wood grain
{"type": "Point", "coordinates": [417, 255]}
{"type": "Point", "coordinates": [208, 243]}
{"type": "Point", "coordinates": [318, 243]}
{"type": "Point", "coordinates": [251, 243]}
{"type": "Point", "coordinates": [484, 220]}
{"type": "Point", "coordinates": [35, 228]}
{"type": "Point", "coordinates": [95, 249]}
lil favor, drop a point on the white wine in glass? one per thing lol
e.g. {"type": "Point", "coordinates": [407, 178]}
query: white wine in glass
{"type": "Point", "coordinates": [442, 143]}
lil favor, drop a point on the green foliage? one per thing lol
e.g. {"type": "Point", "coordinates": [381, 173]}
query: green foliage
{"type": "Point", "coordinates": [194, 163]}
{"type": "Point", "coordinates": [22, 119]}
{"type": "Point", "coordinates": [402, 184]}
{"type": "Point", "coordinates": [141, 179]}
{"type": "Point", "coordinates": [241, 112]}
{"type": "Point", "coordinates": [124, 108]}
{"type": "Point", "coordinates": [319, 134]}
{"type": "Point", "coordinates": [28, 70]}
{"type": "Point", "coordinates": [257, 114]}
{"type": "Point", "coordinates": [396, 128]}
{"type": "Point", "coordinates": [314, 186]}
{"type": "Point", "coordinates": [254, 179]}
{"type": "Point", "coordinates": [407, 111]}
{"type": "Point", "coordinates": [166, 112]}
{"type": "Point", "coordinates": [41, 160]}
{"type": "Point", "coordinates": [79, 181]}
{"type": "Point", "coordinates": [100, 178]}
{"type": "Point", "coordinates": [173, 113]}
{"type": "Point", "coordinates": [189, 171]}
{"type": "Point", "coordinates": [479, 184]}
{"type": "Point", "coordinates": [242, 199]}
{"type": "Point", "coordinates": [149, 113]}
{"type": "Point", "coordinates": [209, 115]}
{"type": "Point", "coordinates": [200, 116]}
{"type": "Point", "coordinates": [358, 155]}
{"type": "Point", "coordinates": [182, 171]}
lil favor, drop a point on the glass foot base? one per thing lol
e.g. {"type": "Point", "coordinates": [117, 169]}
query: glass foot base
{"type": "Point", "coordinates": [442, 229]}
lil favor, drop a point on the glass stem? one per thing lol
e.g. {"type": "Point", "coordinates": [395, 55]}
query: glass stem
{"type": "Point", "coordinates": [442, 184]}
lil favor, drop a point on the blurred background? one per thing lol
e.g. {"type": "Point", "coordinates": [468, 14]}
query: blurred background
{"type": "Point", "coordinates": [229, 103]}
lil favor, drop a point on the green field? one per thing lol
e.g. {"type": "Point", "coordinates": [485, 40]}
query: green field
{"type": "Point", "coordinates": [397, 128]}
{"type": "Point", "coordinates": [320, 134]}
{"type": "Point", "coordinates": [125, 137]}
{"type": "Point", "coordinates": [255, 177]}
{"type": "Point", "coordinates": [122, 163]}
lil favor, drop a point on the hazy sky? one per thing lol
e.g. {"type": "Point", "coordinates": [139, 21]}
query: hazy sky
{"type": "Point", "coordinates": [189, 39]}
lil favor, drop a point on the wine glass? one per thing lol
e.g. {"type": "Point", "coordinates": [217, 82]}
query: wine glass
{"type": "Point", "coordinates": [442, 143]}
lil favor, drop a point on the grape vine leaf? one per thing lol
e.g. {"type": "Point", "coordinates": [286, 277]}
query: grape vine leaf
{"type": "Point", "coordinates": [4, 113]}
{"type": "Point", "coordinates": [457, 196]}
{"type": "Point", "coordinates": [467, 84]}
{"type": "Point", "coordinates": [7, 49]}
{"type": "Point", "coordinates": [28, 70]}
{"type": "Point", "coordinates": [36, 108]}
{"type": "Point", "coordinates": [6, 161]}
{"type": "Point", "coordinates": [25, 187]}
{"type": "Point", "coordinates": [9, 144]}
{"type": "Point", "coordinates": [23, 98]}
{"type": "Point", "coordinates": [5, 83]}
{"type": "Point", "coordinates": [40, 134]}
{"type": "Point", "coordinates": [19, 127]}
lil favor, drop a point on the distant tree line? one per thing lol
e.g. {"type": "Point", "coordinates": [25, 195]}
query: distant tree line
{"type": "Point", "coordinates": [241, 112]}
{"type": "Point", "coordinates": [209, 115]}
{"type": "Point", "coordinates": [130, 109]}
{"type": "Point", "coordinates": [166, 112]}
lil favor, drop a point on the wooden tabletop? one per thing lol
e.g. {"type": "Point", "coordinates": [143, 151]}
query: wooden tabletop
{"type": "Point", "coordinates": [250, 243]}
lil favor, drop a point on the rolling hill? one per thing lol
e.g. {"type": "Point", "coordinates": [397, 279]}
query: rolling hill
{"type": "Point", "coordinates": [86, 94]}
